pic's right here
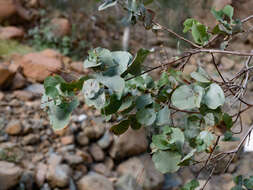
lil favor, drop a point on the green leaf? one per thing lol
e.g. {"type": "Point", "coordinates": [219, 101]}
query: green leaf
{"type": "Point", "coordinates": [120, 128]}
{"type": "Point", "coordinates": [123, 59]}
{"type": "Point", "coordinates": [113, 105]}
{"type": "Point", "coordinates": [143, 101]}
{"type": "Point", "coordinates": [228, 136]}
{"type": "Point", "coordinates": [107, 4]}
{"type": "Point", "coordinates": [91, 88]}
{"type": "Point", "coordinates": [164, 80]}
{"type": "Point", "coordinates": [200, 34]}
{"type": "Point", "coordinates": [229, 11]}
{"type": "Point", "coordinates": [98, 101]}
{"type": "Point", "coordinates": [238, 180]}
{"type": "Point", "coordinates": [135, 125]}
{"type": "Point", "coordinates": [163, 117]}
{"type": "Point", "coordinates": [227, 120]}
{"type": "Point", "coordinates": [248, 183]}
{"type": "Point", "coordinates": [205, 140]}
{"type": "Point", "coordinates": [73, 86]}
{"type": "Point", "coordinates": [115, 83]}
{"type": "Point", "coordinates": [187, 97]}
{"type": "Point", "coordinates": [201, 76]}
{"type": "Point", "coordinates": [146, 116]}
{"type": "Point", "coordinates": [186, 161]}
{"type": "Point", "coordinates": [53, 81]}
{"type": "Point", "coordinates": [166, 161]}
{"type": "Point", "coordinates": [192, 185]}
{"type": "Point", "coordinates": [177, 137]}
{"type": "Point", "coordinates": [218, 14]}
{"type": "Point", "coordinates": [59, 115]}
{"type": "Point", "coordinates": [135, 67]}
{"type": "Point", "coordinates": [161, 142]}
{"type": "Point", "coordinates": [188, 23]}
{"type": "Point", "coordinates": [214, 97]}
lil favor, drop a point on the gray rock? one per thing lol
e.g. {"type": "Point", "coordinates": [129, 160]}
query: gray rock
{"type": "Point", "coordinates": [127, 182]}
{"type": "Point", "coordinates": [59, 175]}
{"type": "Point", "coordinates": [82, 139]}
{"type": "Point", "coordinates": [143, 170]}
{"type": "Point", "coordinates": [94, 181]}
{"type": "Point", "coordinates": [94, 132]}
{"type": "Point", "coordinates": [106, 140]}
{"type": "Point", "coordinates": [9, 175]}
{"type": "Point", "coordinates": [96, 152]}
{"type": "Point", "coordinates": [73, 159]}
{"type": "Point", "coordinates": [31, 139]}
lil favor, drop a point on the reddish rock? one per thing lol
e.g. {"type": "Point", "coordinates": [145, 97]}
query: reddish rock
{"type": "Point", "coordinates": [60, 27]}
{"type": "Point", "coordinates": [6, 76]}
{"type": "Point", "coordinates": [66, 140]}
{"type": "Point", "coordinates": [14, 128]}
{"type": "Point", "coordinates": [7, 9]}
{"type": "Point", "coordinates": [11, 32]}
{"type": "Point", "coordinates": [37, 66]}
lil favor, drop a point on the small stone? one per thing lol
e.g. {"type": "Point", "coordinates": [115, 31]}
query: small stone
{"type": "Point", "coordinates": [227, 63]}
{"type": "Point", "coordinates": [94, 132]}
{"type": "Point", "coordinates": [86, 157]}
{"type": "Point", "coordinates": [27, 180]}
{"type": "Point", "coordinates": [106, 140]}
{"type": "Point", "coordinates": [109, 163]}
{"type": "Point", "coordinates": [66, 140]}
{"type": "Point", "coordinates": [1, 96]}
{"type": "Point", "coordinates": [82, 139]}
{"type": "Point", "coordinates": [9, 175]}
{"type": "Point", "coordinates": [96, 152]}
{"type": "Point", "coordinates": [31, 139]}
{"type": "Point", "coordinates": [101, 169]}
{"type": "Point", "coordinates": [73, 159]}
{"type": "Point", "coordinates": [14, 128]}
{"type": "Point", "coordinates": [54, 160]}
{"type": "Point", "coordinates": [41, 173]}
{"type": "Point", "coordinates": [23, 95]}
{"type": "Point", "coordinates": [94, 181]}
{"type": "Point", "coordinates": [77, 67]}
{"type": "Point", "coordinates": [35, 89]}
{"type": "Point", "coordinates": [59, 176]}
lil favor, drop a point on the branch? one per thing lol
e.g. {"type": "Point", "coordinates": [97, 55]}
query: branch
{"type": "Point", "coordinates": [222, 52]}
{"type": "Point", "coordinates": [247, 19]}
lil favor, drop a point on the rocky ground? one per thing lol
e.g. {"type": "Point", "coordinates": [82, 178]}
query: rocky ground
{"type": "Point", "coordinates": [85, 155]}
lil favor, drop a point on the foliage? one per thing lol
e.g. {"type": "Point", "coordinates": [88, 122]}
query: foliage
{"type": "Point", "coordinates": [243, 183]}
{"type": "Point", "coordinates": [42, 37]}
{"type": "Point", "coordinates": [120, 88]}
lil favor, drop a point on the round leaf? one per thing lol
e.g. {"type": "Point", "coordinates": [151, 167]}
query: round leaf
{"type": "Point", "coordinates": [146, 116]}
{"type": "Point", "coordinates": [166, 161]}
{"type": "Point", "coordinates": [214, 97]}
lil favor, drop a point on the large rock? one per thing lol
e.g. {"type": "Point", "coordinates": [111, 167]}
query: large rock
{"type": "Point", "coordinates": [7, 9]}
{"type": "Point", "coordinates": [41, 173]}
{"type": "Point", "coordinates": [6, 76]}
{"type": "Point", "coordinates": [11, 32]}
{"type": "Point", "coordinates": [94, 181]}
{"type": "Point", "coordinates": [9, 175]}
{"type": "Point", "coordinates": [38, 66]}
{"type": "Point", "coordinates": [60, 27]}
{"type": "Point", "coordinates": [130, 143]}
{"type": "Point", "coordinates": [143, 170]}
